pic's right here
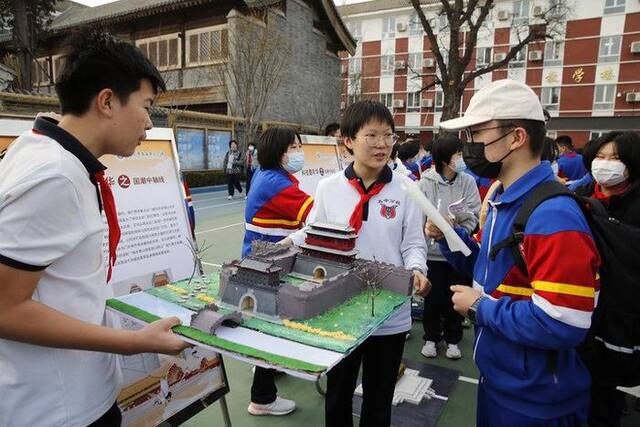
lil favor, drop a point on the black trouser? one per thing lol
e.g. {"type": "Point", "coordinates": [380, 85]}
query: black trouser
{"type": "Point", "coordinates": [233, 180]}
{"type": "Point", "coordinates": [249, 176]}
{"type": "Point", "coordinates": [111, 418]}
{"type": "Point", "coordinates": [263, 389]}
{"type": "Point", "coordinates": [380, 357]}
{"type": "Point", "coordinates": [439, 319]}
{"type": "Point", "coordinates": [607, 404]}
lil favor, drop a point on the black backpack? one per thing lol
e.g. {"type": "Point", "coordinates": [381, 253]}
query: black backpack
{"type": "Point", "coordinates": [611, 349]}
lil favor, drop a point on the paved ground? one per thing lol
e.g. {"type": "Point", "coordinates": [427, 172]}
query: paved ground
{"type": "Point", "coordinates": [220, 223]}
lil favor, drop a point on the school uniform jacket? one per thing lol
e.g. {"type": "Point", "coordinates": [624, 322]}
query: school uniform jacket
{"type": "Point", "coordinates": [391, 230]}
{"type": "Point", "coordinates": [276, 207]}
{"type": "Point", "coordinates": [528, 328]}
{"type": "Point", "coordinates": [571, 166]}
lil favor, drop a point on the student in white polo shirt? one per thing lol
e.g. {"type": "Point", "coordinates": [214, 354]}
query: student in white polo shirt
{"type": "Point", "coordinates": [369, 196]}
{"type": "Point", "coordinates": [56, 361]}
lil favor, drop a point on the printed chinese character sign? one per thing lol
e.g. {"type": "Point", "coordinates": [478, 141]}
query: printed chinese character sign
{"type": "Point", "coordinates": [321, 159]}
{"type": "Point", "coordinates": [156, 240]}
{"type": "Point", "coordinates": [154, 250]}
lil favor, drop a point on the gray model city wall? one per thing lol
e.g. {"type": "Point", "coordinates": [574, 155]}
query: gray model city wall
{"type": "Point", "coordinates": [297, 304]}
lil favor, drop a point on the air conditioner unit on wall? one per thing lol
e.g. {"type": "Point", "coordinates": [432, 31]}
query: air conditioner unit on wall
{"type": "Point", "coordinates": [428, 63]}
{"type": "Point", "coordinates": [633, 97]}
{"type": "Point", "coordinates": [538, 11]}
{"type": "Point", "coordinates": [398, 103]}
{"type": "Point", "coordinates": [503, 15]}
{"type": "Point", "coordinates": [499, 57]}
{"type": "Point", "coordinates": [427, 103]}
{"type": "Point", "coordinates": [400, 65]}
{"type": "Point", "coordinates": [635, 47]}
{"type": "Point", "coordinates": [401, 27]}
{"type": "Point", "coordinates": [535, 55]}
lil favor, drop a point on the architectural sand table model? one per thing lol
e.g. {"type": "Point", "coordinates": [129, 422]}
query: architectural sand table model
{"type": "Point", "coordinates": [318, 295]}
{"type": "Point", "coordinates": [289, 283]}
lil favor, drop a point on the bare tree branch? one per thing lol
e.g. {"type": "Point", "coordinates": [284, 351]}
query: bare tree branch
{"type": "Point", "coordinates": [432, 37]}
{"type": "Point", "coordinates": [465, 20]}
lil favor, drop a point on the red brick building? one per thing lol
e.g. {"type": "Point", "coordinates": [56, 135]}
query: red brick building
{"type": "Point", "coordinates": [588, 76]}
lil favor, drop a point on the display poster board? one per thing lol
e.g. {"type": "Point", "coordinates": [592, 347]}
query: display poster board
{"type": "Point", "coordinates": [321, 159]}
{"type": "Point", "coordinates": [217, 147]}
{"type": "Point", "coordinates": [155, 248]}
{"type": "Point", "coordinates": [200, 148]}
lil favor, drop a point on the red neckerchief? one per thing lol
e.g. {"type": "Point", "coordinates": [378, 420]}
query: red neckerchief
{"type": "Point", "coordinates": [599, 195]}
{"type": "Point", "coordinates": [109, 206]}
{"type": "Point", "coordinates": [356, 217]}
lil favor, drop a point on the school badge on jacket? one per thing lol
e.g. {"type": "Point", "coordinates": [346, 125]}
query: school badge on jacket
{"type": "Point", "coordinates": [388, 208]}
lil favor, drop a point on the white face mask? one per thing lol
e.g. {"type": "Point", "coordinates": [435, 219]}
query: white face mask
{"type": "Point", "coordinates": [554, 168]}
{"type": "Point", "coordinates": [458, 165]}
{"type": "Point", "coordinates": [608, 172]}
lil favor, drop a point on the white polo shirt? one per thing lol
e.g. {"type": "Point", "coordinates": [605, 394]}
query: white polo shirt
{"type": "Point", "coordinates": [50, 221]}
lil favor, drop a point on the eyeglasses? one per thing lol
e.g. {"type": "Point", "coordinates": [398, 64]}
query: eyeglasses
{"type": "Point", "coordinates": [467, 134]}
{"type": "Point", "coordinates": [388, 140]}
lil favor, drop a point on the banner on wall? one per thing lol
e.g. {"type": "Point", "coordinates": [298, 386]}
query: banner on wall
{"type": "Point", "coordinates": [155, 249]}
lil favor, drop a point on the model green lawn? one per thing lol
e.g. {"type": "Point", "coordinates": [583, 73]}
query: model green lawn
{"type": "Point", "coordinates": [352, 318]}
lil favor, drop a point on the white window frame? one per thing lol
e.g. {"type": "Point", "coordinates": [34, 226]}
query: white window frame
{"type": "Point", "coordinates": [355, 66]}
{"type": "Point", "coordinates": [389, 27]}
{"type": "Point", "coordinates": [611, 51]}
{"type": "Point", "coordinates": [387, 65]}
{"type": "Point", "coordinates": [443, 22]}
{"type": "Point", "coordinates": [547, 98]}
{"type": "Point", "coordinates": [199, 31]}
{"type": "Point", "coordinates": [167, 38]}
{"type": "Point", "coordinates": [521, 10]}
{"type": "Point", "coordinates": [614, 6]}
{"type": "Point", "coordinates": [522, 54]}
{"type": "Point", "coordinates": [438, 101]}
{"type": "Point", "coordinates": [481, 52]}
{"type": "Point", "coordinates": [355, 28]}
{"type": "Point", "coordinates": [387, 100]}
{"type": "Point", "coordinates": [414, 61]}
{"type": "Point", "coordinates": [415, 25]}
{"type": "Point", "coordinates": [604, 97]}
{"type": "Point", "coordinates": [413, 102]}
{"type": "Point", "coordinates": [553, 52]}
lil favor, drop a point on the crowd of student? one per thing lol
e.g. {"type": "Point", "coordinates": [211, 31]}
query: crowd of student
{"type": "Point", "coordinates": [530, 292]}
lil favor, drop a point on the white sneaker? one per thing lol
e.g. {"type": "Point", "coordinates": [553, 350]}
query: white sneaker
{"type": "Point", "coordinates": [429, 349]}
{"type": "Point", "coordinates": [453, 351]}
{"type": "Point", "coordinates": [230, 197]}
{"type": "Point", "coordinates": [246, 197]}
{"type": "Point", "coordinates": [279, 406]}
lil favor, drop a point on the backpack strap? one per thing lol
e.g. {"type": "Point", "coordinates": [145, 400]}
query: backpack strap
{"type": "Point", "coordinates": [541, 193]}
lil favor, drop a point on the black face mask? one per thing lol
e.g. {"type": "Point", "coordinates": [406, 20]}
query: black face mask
{"type": "Point", "coordinates": [476, 161]}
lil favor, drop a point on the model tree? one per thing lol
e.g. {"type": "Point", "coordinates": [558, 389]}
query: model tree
{"type": "Point", "coordinates": [372, 275]}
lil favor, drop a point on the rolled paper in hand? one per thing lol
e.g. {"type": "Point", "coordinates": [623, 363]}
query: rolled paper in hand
{"type": "Point", "coordinates": [453, 240]}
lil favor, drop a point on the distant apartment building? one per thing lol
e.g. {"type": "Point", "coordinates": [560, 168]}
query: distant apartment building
{"type": "Point", "coordinates": [587, 77]}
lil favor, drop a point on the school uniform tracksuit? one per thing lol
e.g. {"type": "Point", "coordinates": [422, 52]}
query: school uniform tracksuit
{"type": "Point", "coordinates": [530, 324]}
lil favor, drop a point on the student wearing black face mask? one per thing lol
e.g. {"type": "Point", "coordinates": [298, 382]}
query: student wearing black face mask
{"type": "Point", "coordinates": [529, 322]}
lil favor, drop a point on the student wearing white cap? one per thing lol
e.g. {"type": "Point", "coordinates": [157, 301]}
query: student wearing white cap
{"type": "Point", "coordinates": [529, 316]}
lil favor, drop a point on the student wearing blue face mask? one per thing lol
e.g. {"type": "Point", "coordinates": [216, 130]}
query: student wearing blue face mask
{"type": "Point", "coordinates": [458, 198]}
{"type": "Point", "coordinates": [276, 207]}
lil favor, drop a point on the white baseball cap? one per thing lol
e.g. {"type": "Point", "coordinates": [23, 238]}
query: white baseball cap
{"type": "Point", "coordinates": [500, 100]}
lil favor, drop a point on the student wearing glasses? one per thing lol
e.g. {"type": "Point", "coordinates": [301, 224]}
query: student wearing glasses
{"type": "Point", "coordinates": [368, 196]}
